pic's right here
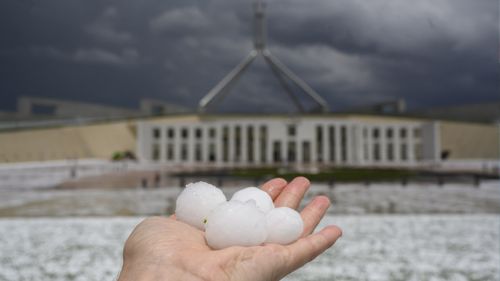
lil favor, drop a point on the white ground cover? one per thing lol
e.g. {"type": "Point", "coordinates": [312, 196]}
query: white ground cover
{"type": "Point", "coordinates": [46, 174]}
{"type": "Point", "coordinates": [374, 247]}
{"type": "Point", "coordinates": [347, 199]}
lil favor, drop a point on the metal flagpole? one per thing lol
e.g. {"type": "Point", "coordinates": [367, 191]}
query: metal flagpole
{"type": "Point", "coordinates": [278, 68]}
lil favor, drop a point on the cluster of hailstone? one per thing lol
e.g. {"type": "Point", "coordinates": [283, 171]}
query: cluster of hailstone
{"type": "Point", "coordinates": [248, 219]}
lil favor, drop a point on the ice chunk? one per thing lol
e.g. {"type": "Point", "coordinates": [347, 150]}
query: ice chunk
{"type": "Point", "coordinates": [284, 225]}
{"type": "Point", "coordinates": [235, 223]}
{"type": "Point", "coordinates": [196, 201]}
{"type": "Point", "coordinates": [263, 201]}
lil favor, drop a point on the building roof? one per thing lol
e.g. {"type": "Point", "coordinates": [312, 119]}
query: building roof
{"type": "Point", "coordinates": [479, 112]}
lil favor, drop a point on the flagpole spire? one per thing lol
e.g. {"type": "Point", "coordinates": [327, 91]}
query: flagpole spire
{"type": "Point", "coordinates": [284, 75]}
{"type": "Point", "coordinates": [259, 26]}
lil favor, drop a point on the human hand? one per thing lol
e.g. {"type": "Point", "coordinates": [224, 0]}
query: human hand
{"type": "Point", "coordinates": [166, 249]}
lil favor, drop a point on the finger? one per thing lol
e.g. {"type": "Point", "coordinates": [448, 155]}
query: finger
{"type": "Point", "coordinates": [313, 213]}
{"type": "Point", "coordinates": [274, 187]}
{"type": "Point", "coordinates": [293, 193]}
{"type": "Point", "coordinates": [308, 248]}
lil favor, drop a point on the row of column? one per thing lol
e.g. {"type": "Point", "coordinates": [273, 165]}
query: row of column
{"type": "Point", "coordinates": [402, 140]}
{"type": "Point", "coordinates": [210, 143]}
{"type": "Point", "coordinates": [340, 143]}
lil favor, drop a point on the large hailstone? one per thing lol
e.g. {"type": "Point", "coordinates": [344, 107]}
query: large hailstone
{"type": "Point", "coordinates": [263, 201]}
{"type": "Point", "coordinates": [196, 201]}
{"type": "Point", "coordinates": [235, 223]}
{"type": "Point", "coordinates": [284, 225]}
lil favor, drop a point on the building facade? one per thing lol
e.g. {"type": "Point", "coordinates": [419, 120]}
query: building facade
{"type": "Point", "coordinates": [246, 141]}
{"type": "Point", "coordinates": [232, 140]}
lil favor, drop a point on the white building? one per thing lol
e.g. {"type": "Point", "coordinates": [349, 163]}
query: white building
{"type": "Point", "coordinates": [308, 140]}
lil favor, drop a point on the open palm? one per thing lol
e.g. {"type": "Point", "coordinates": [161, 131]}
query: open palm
{"type": "Point", "coordinates": [166, 249]}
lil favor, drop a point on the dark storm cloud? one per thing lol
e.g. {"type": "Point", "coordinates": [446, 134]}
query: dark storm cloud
{"type": "Point", "coordinates": [352, 52]}
{"type": "Point", "coordinates": [430, 52]}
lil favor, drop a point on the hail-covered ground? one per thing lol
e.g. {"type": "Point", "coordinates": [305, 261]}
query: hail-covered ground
{"type": "Point", "coordinates": [374, 247]}
{"type": "Point", "coordinates": [382, 198]}
{"type": "Point", "coordinates": [391, 232]}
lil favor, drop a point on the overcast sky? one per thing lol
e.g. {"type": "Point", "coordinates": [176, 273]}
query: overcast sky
{"type": "Point", "coordinates": [352, 52]}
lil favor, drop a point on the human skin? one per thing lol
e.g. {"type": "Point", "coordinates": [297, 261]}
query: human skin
{"type": "Point", "coordinates": [163, 248]}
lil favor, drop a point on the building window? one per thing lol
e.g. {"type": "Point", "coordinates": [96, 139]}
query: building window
{"type": "Point", "coordinates": [225, 143]}
{"type": "Point", "coordinates": [375, 133]}
{"type": "Point", "coordinates": [155, 152]}
{"type": "Point", "coordinates": [376, 152]}
{"type": "Point", "coordinates": [390, 152]}
{"type": "Point", "coordinates": [184, 133]}
{"type": "Point", "coordinates": [170, 151]}
{"type": "Point", "coordinates": [331, 142]}
{"type": "Point", "coordinates": [343, 143]}
{"type": "Point", "coordinates": [211, 133]}
{"type": "Point", "coordinates": [156, 133]}
{"type": "Point", "coordinates": [237, 143]}
{"type": "Point", "coordinates": [416, 133]}
{"type": "Point", "coordinates": [445, 154]}
{"type": "Point", "coordinates": [171, 133]}
{"type": "Point", "coordinates": [198, 152]}
{"type": "Point", "coordinates": [292, 130]}
{"type": "Point", "coordinates": [211, 152]}
{"type": "Point", "coordinates": [402, 133]}
{"type": "Point", "coordinates": [306, 152]}
{"type": "Point", "coordinates": [263, 144]}
{"type": "Point", "coordinates": [198, 133]}
{"type": "Point", "coordinates": [277, 151]}
{"type": "Point", "coordinates": [250, 146]}
{"type": "Point", "coordinates": [291, 152]}
{"type": "Point", "coordinates": [319, 143]}
{"type": "Point", "coordinates": [389, 133]}
{"type": "Point", "coordinates": [404, 152]}
{"type": "Point", "coordinates": [184, 152]}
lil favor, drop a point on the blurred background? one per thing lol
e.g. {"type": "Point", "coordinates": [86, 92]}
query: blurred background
{"type": "Point", "coordinates": [391, 108]}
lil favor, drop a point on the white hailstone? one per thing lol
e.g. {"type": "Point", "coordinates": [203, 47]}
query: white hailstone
{"type": "Point", "coordinates": [263, 201]}
{"type": "Point", "coordinates": [284, 225]}
{"type": "Point", "coordinates": [235, 223]}
{"type": "Point", "coordinates": [196, 201]}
